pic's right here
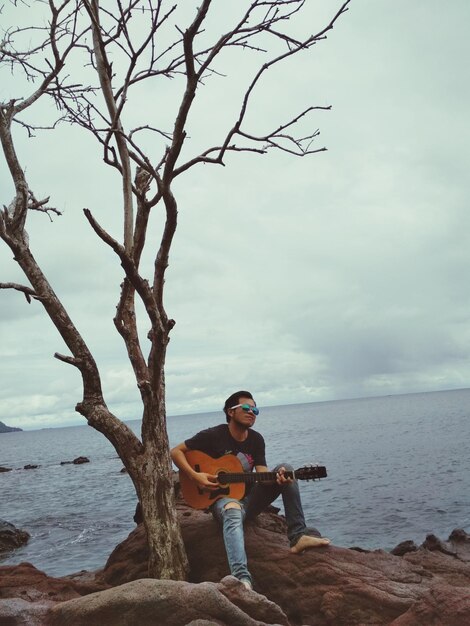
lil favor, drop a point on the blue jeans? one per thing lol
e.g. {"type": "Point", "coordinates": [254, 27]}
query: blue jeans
{"type": "Point", "coordinates": [259, 498]}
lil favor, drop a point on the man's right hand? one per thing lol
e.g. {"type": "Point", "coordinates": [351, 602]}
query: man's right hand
{"type": "Point", "coordinates": [205, 480]}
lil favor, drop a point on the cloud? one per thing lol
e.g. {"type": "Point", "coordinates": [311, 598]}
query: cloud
{"type": "Point", "coordinates": [339, 275]}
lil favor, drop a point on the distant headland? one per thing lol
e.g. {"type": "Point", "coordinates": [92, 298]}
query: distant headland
{"type": "Point", "coordinates": [8, 429]}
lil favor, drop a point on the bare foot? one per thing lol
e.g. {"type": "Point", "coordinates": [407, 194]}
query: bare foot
{"type": "Point", "coordinates": [306, 542]}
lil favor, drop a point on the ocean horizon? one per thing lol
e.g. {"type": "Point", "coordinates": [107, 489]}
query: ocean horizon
{"type": "Point", "coordinates": [82, 421]}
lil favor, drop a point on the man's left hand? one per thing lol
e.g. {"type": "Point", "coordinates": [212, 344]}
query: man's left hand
{"type": "Point", "coordinates": [281, 479]}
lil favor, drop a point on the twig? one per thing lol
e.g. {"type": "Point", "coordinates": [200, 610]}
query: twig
{"type": "Point", "coordinates": [27, 291]}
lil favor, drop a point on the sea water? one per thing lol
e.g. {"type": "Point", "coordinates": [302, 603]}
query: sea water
{"type": "Point", "coordinates": [398, 468]}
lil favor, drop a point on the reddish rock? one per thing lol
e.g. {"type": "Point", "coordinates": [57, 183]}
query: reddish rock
{"type": "Point", "coordinates": [459, 536]}
{"type": "Point", "coordinates": [27, 594]}
{"type": "Point", "coordinates": [11, 537]}
{"type": "Point", "coordinates": [442, 605]}
{"type": "Point", "coordinates": [326, 587]}
{"type": "Point", "coordinates": [404, 547]}
{"type": "Point", "coordinates": [28, 583]}
{"type": "Point", "coordinates": [80, 459]}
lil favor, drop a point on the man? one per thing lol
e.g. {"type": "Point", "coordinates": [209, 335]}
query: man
{"type": "Point", "coordinates": [238, 438]}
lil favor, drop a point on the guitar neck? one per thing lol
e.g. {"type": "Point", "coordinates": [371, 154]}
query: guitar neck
{"type": "Point", "coordinates": [251, 477]}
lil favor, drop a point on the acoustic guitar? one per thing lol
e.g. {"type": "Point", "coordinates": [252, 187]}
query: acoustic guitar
{"type": "Point", "coordinates": [231, 478]}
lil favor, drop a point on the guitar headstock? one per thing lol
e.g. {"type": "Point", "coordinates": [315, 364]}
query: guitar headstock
{"type": "Point", "coordinates": [311, 472]}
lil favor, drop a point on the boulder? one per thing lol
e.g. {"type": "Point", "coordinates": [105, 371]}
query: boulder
{"type": "Point", "coordinates": [442, 605]}
{"type": "Point", "coordinates": [80, 460]}
{"type": "Point", "coordinates": [28, 583]}
{"type": "Point", "coordinates": [27, 594]}
{"type": "Point", "coordinates": [404, 547]}
{"type": "Point", "coordinates": [148, 602]}
{"type": "Point", "coordinates": [11, 537]}
{"type": "Point", "coordinates": [458, 536]}
{"type": "Point", "coordinates": [29, 467]}
{"type": "Point", "coordinates": [20, 612]}
{"type": "Point", "coordinates": [451, 564]}
{"type": "Point", "coordinates": [5, 469]}
{"type": "Point", "coordinates": [326, 586]}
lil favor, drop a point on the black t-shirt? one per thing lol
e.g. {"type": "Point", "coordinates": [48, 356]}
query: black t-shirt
{"type": "Point", "coordinates": [217, 441]}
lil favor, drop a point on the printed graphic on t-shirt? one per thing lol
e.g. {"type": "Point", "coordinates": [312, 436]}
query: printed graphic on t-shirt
{"type": "Point", "coordinates": [247, 461]}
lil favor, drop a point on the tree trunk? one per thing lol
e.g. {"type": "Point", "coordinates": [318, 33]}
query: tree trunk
{"type": "Point", "coordinates": [167, 556]}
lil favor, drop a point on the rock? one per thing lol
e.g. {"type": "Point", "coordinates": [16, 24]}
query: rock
{"type": "Point", "coordinates": [325, 587]}
{"type": "Point", "coordinates": [440, 606]}
{"type": "Point", "coordinates": [78, 461]}
{"type": "Point", "coordinates": [81, 459]}
{"type": "Point", "coordinates": [20, 612]}
{"type": "Point", "coordinates": [5, 469]}
{"type": "Point", "coordinates": [27, 594]}
{"type": "Point", "coordinates": [457, 545]}
{"type": "Point", "coordinates": [434, 543]}
{"type": "Point", "coordinates": [148, 602]}
{"type": "Point", "coordinates": [459, 536]}
{"type": "Point", "coordinates": [28, 583]}
{"type": "Point", "coordinates": [29, 467]}
{"type": "Point", "coordinates": [11, 537]}
{"type": "Point", "coordinates": [446, 568]}
{"type": "Point", "coordinates": [404, 547]}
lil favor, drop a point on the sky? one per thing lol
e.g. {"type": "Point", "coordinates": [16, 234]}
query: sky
{"type": "Point", "coordinates": [343, 274]}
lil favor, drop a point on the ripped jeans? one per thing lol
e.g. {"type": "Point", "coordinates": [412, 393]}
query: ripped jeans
{"type": "Point", "coordinates": [260, 497]}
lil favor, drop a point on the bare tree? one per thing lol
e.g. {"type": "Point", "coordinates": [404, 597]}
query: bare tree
{"type": "Point", "coordinates": [119, 46]}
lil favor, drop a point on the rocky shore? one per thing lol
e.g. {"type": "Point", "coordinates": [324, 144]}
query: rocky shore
{"type": "Point", "coordinates": [414, 586]}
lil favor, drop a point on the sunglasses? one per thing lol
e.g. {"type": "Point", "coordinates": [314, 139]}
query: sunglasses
{"type": "Point", "coordinates": [247, 407]}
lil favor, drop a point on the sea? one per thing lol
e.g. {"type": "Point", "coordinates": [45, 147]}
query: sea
{"type": "Point", "coordinates": [398, 469]}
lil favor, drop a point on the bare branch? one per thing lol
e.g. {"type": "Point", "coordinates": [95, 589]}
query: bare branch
{"type": "Point", "coordinates": [27, 291]}
{"type": "Point", "coordinates": [310, 41]}
{"type": "Point", "coordinates": [273, 139]}
{"type": "Point", "coordinates": [105, 77]}
{"type": "Point", "coordinates": [68, 359]}
{"type": "Point", "coordinates": [164, 134]}
{"type": "Point", "coordinates": [179, 133]}
{"type": "Point", "coordinates": [40, 205]}
{"type": "Point", "coordinates": [62, 27]}
{"type": "Point", "coordinates": [140, 284]}
{"type": "Point", "coordinates": [32, 128]}
{"type": "Point", "coordinates": [59, 28]}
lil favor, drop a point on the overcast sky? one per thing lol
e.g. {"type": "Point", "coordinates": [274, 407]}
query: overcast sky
{"type": "Point", "coordinates": [344, 274]}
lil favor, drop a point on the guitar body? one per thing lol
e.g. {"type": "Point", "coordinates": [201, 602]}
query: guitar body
{"type": "Point", "coordinates": [199, 498]}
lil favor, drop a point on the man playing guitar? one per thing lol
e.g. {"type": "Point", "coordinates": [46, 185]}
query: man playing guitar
{"type": "Point", "coordinates": [237, 437]}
